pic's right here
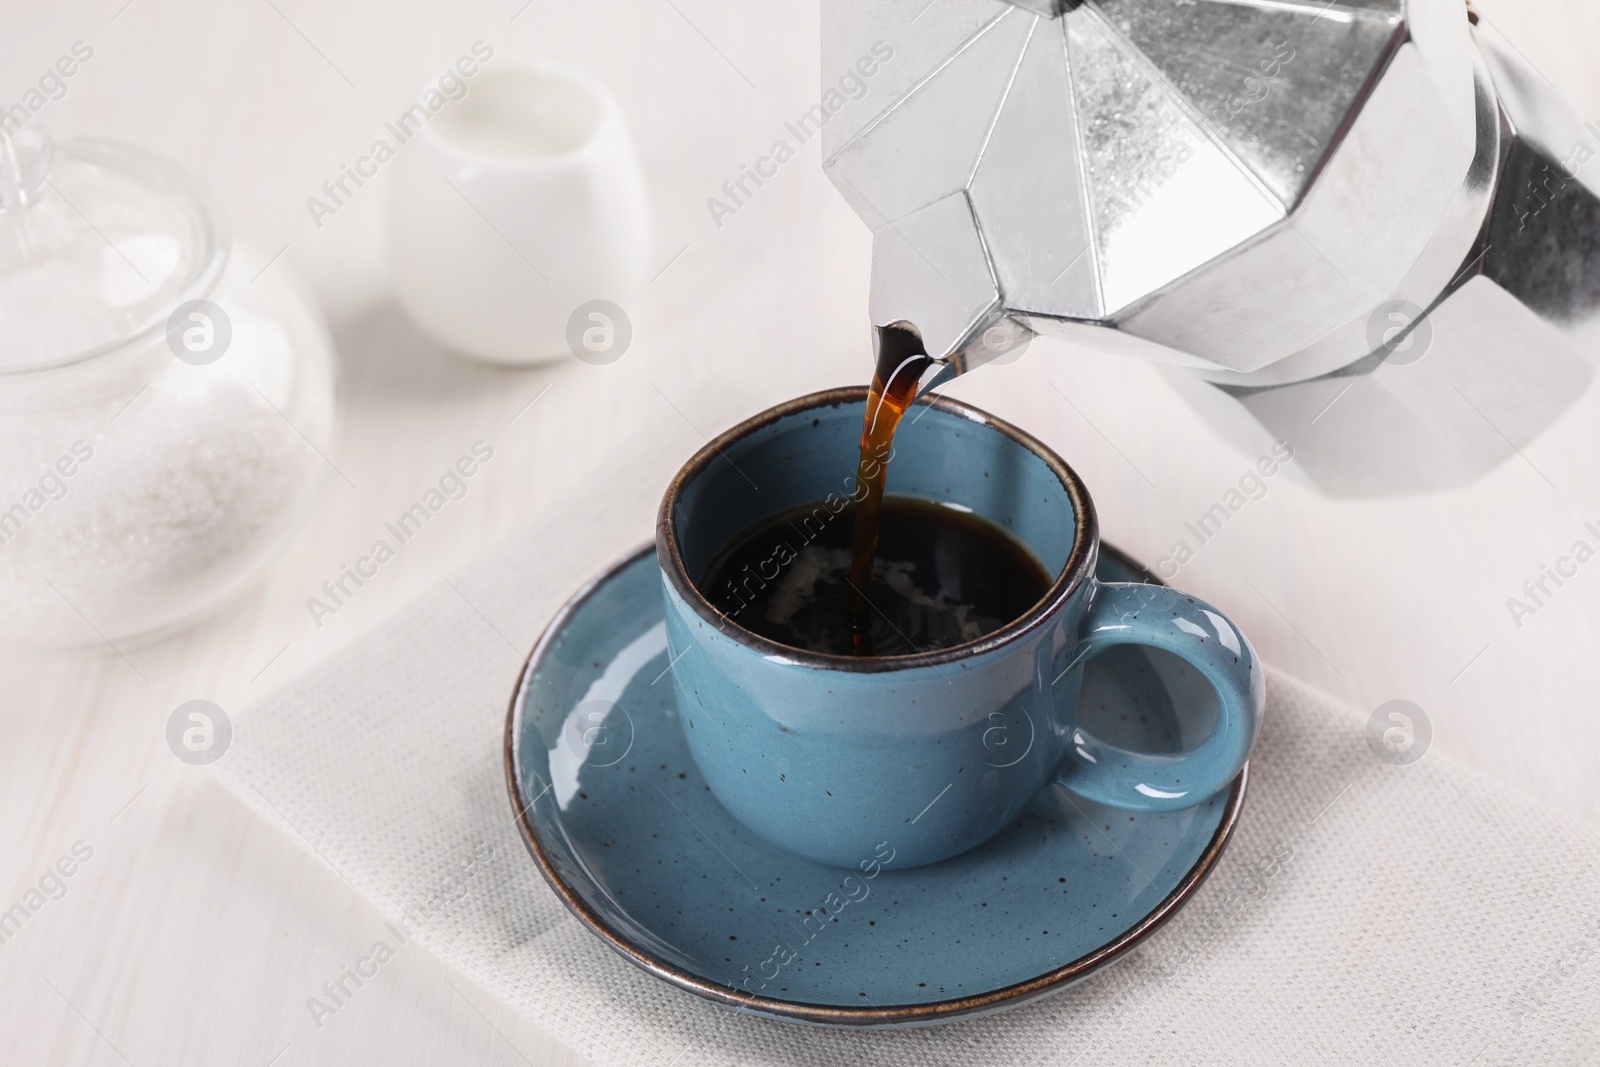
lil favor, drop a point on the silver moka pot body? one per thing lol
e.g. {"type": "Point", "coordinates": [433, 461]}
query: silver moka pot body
{"type": "Point", "coordinates": [1367, 227]}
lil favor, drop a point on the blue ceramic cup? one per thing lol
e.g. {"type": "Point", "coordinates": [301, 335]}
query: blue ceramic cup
{"type": "Point", "coordinates": [840, 758]}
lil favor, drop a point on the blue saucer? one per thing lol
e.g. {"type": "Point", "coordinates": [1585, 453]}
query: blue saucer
{"type": "Point", "coordinates": [629, 836]}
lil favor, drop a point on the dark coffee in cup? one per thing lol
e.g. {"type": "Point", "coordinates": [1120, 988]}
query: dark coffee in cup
{"type": "Point", "coordinates": [941, 576]}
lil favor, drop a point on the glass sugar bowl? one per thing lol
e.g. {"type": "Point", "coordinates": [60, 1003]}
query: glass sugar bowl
{"type": "Point", "coordinates": [166, 400]}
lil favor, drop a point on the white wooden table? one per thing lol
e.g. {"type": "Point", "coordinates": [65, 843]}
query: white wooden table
{"type": "Point", "coordinates": [194, 934]}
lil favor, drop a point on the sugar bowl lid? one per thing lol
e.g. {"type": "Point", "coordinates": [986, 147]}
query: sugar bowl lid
{"type": "Point", "coordinates": [98, 243]}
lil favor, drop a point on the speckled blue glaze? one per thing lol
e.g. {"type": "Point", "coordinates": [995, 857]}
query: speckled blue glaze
{"type": "Point", "coordinates": [630, 835]}
{"type": "Point", "coordinates": [838, 758]}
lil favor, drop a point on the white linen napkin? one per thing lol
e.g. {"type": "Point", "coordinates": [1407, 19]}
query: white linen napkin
{"type": "Point", "coordinates": [1424, 914]}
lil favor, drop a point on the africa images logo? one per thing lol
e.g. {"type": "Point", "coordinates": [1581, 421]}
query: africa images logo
{"type": "Point", "coordinates": [199, 732]}
{"type": "Point", "coordinates": [1399, 733]}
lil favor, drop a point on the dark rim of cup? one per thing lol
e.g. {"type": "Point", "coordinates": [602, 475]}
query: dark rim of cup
{"type": "Point", "coordinates": [1078, 568]}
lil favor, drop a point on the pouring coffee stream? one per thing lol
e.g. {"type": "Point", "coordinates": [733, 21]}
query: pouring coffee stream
{"type": "Point", "coordinates": [902, 363]}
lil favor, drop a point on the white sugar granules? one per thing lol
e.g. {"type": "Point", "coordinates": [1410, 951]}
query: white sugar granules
{"type": "Point", "coordinates": [183, 493]}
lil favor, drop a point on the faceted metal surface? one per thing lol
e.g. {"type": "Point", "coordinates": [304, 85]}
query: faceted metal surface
{"type": "Point", "coordinates": [1545, 241]}
{"type": "Point", "coordinates": [1452, 246]}
{"type": "Point", "coordinates": [1168, 148]}
{"type": "Point", "coordinates": [1048, 8]}
{"type": "Point", "coordinates": [1544, 232]}
{"type": "Point", "coordinates": [1274, 83]}
{"type": "Point", "coordinates": [917, 41]}
{"type": "Point", "coordinates": [936, 257]}
{"type": "Point", "coordinates": [1030, 190]}
{"type": "Point", "coordinates": [1378, 218]}
{"type": "Point", "coordinates": [926, 145]}
{"type": "Point", "coordinates": [1506, 350]}
{"type": "Point", "coordinates": [1165, 198]}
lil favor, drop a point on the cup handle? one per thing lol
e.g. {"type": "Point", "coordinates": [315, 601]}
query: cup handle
{"type": "Point", "coordinates": [1159, 617]}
